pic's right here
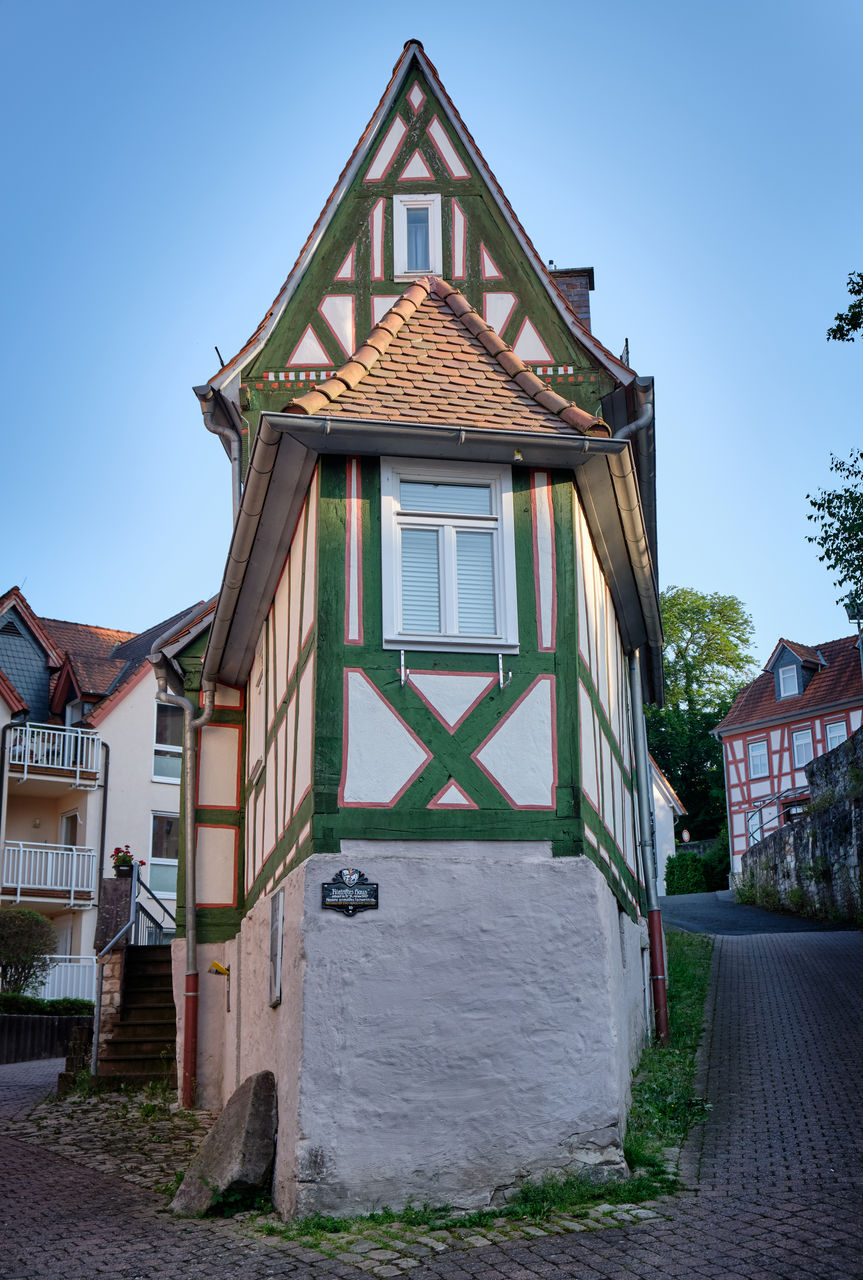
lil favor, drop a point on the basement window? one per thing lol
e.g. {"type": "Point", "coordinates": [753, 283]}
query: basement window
{"type": "Point", "coordinates": [417, 237]}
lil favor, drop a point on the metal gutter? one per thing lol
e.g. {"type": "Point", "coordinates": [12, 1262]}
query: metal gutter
{"type": "Point", "coordinates": [220, 418]}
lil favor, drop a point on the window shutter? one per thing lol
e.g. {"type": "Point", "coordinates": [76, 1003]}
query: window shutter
{"type": "Point", "coordinates": [476, 602]}
{"type": "Point", "coordinates": [420, 581]}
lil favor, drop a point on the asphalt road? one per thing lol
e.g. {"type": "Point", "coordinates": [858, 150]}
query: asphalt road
{"type": "Point", "coordinates": [718, 913]}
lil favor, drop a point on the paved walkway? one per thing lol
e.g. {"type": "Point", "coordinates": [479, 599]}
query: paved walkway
{"type": "Point", "coordinates": [775, 1176]}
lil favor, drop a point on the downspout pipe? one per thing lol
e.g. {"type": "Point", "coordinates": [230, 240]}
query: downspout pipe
{"type": "Point", "coordinates": [658, 981]}
{"type": "Point", "coordinates": [191, 725]}
{"type": "Point", "coordinates": [219, 419]}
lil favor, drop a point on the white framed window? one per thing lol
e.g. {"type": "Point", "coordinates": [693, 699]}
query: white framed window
{"type": "Point", "coordinates": [801, 746]}
{"type": "Point", "coordinates": [417, 239]}
{"type": "Point", "coordinates": [753, 826]}
{"type": "Point", "coordinates": [256, 721]}
{"type": "Point", "coordinates": [448, 556]}
{"type": "Point", "coordinates": [168, 747]}
{"type": "Point", "coordinates": [788, 685]}
{"type": "Point", "coordinates": [758, 765]}
{"type": "Point", "coordinates": [837, 732]}
{"type": "Point", "coordinates": [161, 872]}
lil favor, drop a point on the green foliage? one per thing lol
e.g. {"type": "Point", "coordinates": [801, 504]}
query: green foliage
{"type": "Point", "coordinates": [13, 1002]}
{"type": "Point", "coordinates": [838, 515]}
{"type": "Point", "coordinates": [717, 862]}
{"type": "Point", "coordinates": [25, 939]}
{"type": "Point", "coordinates": [706, 662]}
{"type": "Point", "coordinates": [848, 323]}
{"type": "Point", "coordinates": [684, 872]}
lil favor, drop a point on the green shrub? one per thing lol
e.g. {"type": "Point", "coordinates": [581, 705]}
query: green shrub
{"type": "Point", "coordinates": [14, 1002]}
{"type": "Point", "coordinates": [26, 940]}
{"type": "Point", "coordinates": [684, 872]}
{"type": "Point", "coordinates": [717, 862]}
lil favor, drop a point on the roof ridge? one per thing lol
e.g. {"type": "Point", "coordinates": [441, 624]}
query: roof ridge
{"type": "Point", "coordinates": [367, 355]}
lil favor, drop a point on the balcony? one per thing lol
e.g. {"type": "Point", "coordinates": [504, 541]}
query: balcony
{"type": "Point", "coordinates": [50, 751]}
{"type": "Point", "coordinates": [70, 976]}
{"type": "Point", "coordinates": [56, 874]}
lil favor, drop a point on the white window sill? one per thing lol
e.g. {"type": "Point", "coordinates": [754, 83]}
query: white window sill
{"type": "Point", "coordinates": [448, 644]}
{"type": "Point", "coordinates": [172, 782]}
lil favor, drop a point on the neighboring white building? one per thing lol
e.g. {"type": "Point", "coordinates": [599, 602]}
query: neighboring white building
{"type": "Point", "coordinates": [89, 762]}
{"type": "Point", "coordinates": [666, 810]}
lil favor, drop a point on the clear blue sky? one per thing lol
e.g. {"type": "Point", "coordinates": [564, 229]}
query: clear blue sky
{"type": "Point", "coordinates": [164, 163]}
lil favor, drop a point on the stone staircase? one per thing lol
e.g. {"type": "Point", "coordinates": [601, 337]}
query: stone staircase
{"type": "Point", "coordinates": [142, 1048]}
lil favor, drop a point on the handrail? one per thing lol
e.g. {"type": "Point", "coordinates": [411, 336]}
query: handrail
{"type": "Point", "coordinates": [775, 800]}
{"type": "Point", "coordinates": [167, 910]}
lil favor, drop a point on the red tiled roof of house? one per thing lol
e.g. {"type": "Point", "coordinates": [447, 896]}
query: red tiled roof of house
{"type": "Point", "coordinates": [82, 639]}
{"type": "Point", "coordinates": [839, 681]}
{"type": "Point", "coordinates": [432, 358]}
{"type": "Point", "coordinates": [614, 362]}
{"type": "Point", "coordinates": [10, 694]}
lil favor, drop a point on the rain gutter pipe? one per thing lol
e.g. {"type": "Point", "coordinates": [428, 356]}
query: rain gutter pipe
{"type": "Point", "coordinates": [219, 419]}
{"type": "Point", "coordinates": [648, 856]}
{"type": "Point", "coordinates": [191, 725]}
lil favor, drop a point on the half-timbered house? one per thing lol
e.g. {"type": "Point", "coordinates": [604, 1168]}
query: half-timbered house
{"type": "Point", "coordinates": [416, 809]}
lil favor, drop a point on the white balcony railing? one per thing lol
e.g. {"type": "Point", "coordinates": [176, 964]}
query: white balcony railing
{"type": "Point", "coordinates": [70, 976]}
{"type": "Point", "coordinates": [48, 749]}
{"type": "Point", "coordinates": [49, 872]}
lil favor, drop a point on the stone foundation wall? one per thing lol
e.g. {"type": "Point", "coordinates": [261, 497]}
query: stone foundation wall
{"type": "Point", "coordinates": [112, 994]}
{"type": "Point", "coordinates": [813, 866]}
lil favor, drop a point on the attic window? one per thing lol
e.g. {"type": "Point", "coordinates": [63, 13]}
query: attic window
{"type": "Point", "coordinates": [788, 685]}
{"type": "Point", "coordinates": [416, 236]}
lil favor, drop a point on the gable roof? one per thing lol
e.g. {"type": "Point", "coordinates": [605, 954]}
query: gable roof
{"type": "Point", "coordinates": [809, 656]}
{"type": "Point", "coordinates": [10, 695]}
{"type": "Point", "coordinates": [13, 598]}
{"type": "Point", "coordinates": [837, 682]}
{"type": "Point", "coordinates": [413, 53]}
{"type": "Point", "coordinates": [432, 358]}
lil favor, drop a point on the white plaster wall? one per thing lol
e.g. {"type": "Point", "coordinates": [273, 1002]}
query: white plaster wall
{"type": "Point", "coordinates": [478, 1028]}
{"type": "Point", "coordinates": [663, 835]}
{"type": "Point", "coordinates": [133, 796]}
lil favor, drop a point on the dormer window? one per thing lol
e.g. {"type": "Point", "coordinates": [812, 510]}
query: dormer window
{"type": "Point", "coordinates": [788, 685]}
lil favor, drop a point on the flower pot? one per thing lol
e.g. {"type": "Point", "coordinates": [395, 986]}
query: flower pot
{"type": "Point", "coordinates": [123, 873]}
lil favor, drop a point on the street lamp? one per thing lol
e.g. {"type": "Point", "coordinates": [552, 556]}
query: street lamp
{"type": "Point", "coordinates": [854, 609]}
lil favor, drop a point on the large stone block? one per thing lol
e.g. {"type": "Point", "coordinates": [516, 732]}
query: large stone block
{"type": "Point", "coordinates": [237, 1154]}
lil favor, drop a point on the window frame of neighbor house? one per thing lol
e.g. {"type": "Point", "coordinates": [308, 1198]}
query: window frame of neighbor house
{"type": "Point", "coordinates": [158, 858]}
{"type": "Point", "coordinates": [788, 675]}
{"type": "Point", "coordinates": [164, 750]}
{"type": "Point", "coordinates": [842, 727]}
{"type": "Point", "coordinates": [800, 734]}
{"type": "Point", "coordinates": [751, 749]}
{"type": "Point", "coordinates": [453, 528]}
{"type": "Point", "coordinates": [402, 203]}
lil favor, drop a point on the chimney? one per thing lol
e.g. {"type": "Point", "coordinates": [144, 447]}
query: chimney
{"type": "Point", "coordinates": [575, 283]}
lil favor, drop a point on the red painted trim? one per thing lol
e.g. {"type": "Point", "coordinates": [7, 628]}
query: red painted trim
{"type": "Point", "coordinates": [415, 110]}
{"type": "Point", "coordinates": [214, 826]}
{"type": "Point", "coordinates": [349, 351]}
{"type": "Point", "coordinates": [437, 803]}
{"type": "Point", "coordinates": [499, 328]}
{"type": "Point", "coordinates": [226, 706]}
{"type": "Point", "coordinates": [454, 205]}
{"type": "Point", "coordinates": [378, 804]}
{"type": "Point", "coordinates": [488, 275]}
{"type": "Point", "coordinates": [396, 150]}
{"type": "Point", "coordinates": [457, 177]}
{"type": "Point", "coordinates": [350, 274]}
{"type": "Point", "coordinates": [234, 728]}
{"type": "Point", "coordinates": [534, 514]}
{"type": "Point", "coordinates": [308, 364]}
{"type": "Point", "coordinates": [491, 680]}
{"type": "Point", "coordinates": [428, 176]}
{"type": "Point", "coordinates": [354, 523]}
{"type": "Point", "coordinates": [474, 755]}
{"type": "Point", "coordinates": [541, 340]}
{"type": "Point", "coordinates": [377, 243]}
{"type": "Point", "coordinates": [298, 799]}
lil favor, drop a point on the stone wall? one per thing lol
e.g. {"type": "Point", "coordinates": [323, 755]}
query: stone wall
{"type": "Point", "coordinates": [813, 866]}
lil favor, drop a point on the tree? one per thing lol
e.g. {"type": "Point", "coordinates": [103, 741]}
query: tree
{"type": "Point", "coordinates": [848, 323]}
{"type": "Point", "coordinates": [26, 938]}
{"type": "Point", "coordinates": [706, 662]}
{"type": "Point", "coordinates": [838, 513]}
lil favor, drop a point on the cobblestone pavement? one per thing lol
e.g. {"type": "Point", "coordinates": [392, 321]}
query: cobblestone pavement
{"type": "Point", "coordinates": [775, 1175]}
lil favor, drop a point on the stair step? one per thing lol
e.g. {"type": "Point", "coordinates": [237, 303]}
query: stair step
{"type": "Point", "coordinates": [152, 1063]}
